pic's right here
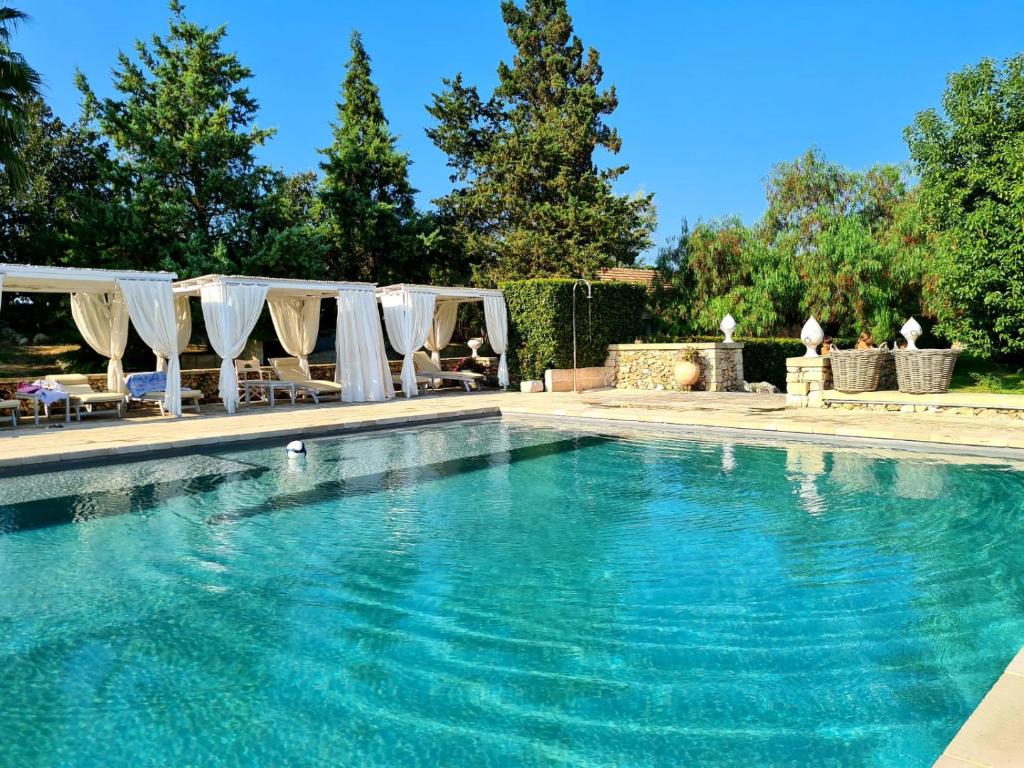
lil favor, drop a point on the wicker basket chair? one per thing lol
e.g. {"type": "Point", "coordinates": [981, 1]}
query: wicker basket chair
{"type": "Point", "coordinates": [857, 370]}
{"type": "Point", "coordinates": [925, 371]}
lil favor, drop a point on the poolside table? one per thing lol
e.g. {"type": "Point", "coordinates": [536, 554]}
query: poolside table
{"type": "Point", "coordinates": [34, 397]}
{"type": "Point", "coordinates": [267, 387]}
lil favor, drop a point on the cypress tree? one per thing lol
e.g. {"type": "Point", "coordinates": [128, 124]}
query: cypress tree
{"type": "Point", "coordinates": [530, 199]}
{"type": "Point", "coordinates": [366, 190]}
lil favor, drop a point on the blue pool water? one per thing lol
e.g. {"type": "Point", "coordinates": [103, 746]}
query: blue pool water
{"type": "Point", "coordinates": [501, 594]}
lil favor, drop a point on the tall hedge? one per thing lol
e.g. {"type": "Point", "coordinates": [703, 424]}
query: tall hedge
{"type": "Point", "coordinates": [540, 323]}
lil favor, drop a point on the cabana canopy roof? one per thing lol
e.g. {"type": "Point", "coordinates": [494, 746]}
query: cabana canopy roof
{"type": "Point", "coordinates": [32, 278]}
{"type": "Point", "coordinates": [277, 288]}
{"type": "Point", "coordinates": [443, 293]}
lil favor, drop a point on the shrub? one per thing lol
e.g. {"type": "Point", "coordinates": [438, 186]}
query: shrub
{"type": "Point", "coordinates": [765, 359]}
{"type": "Point", "coordinates": [540, 323]}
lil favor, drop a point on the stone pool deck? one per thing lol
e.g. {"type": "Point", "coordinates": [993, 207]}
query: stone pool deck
{"type": "Point", "coordinates": [100, 436]}
{"type": "Point", "coordinates": [991, 738]}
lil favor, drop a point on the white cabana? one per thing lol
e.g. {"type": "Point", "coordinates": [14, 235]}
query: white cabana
{"type": "Point", "coordinates": [361, 366]}
{"type": "Point", "coordinates": [442, 322]}
{"type": "Point", "coordinates": [102, 302]}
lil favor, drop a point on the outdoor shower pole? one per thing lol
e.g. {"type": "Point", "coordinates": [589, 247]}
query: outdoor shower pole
{"type": "Point", "coordinates": [589, 298]}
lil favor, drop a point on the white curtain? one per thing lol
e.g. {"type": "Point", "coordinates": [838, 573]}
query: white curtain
{"type": "Point", "coordinates": [103, 322]}
{"type": "Point", "coordinates": [361, 363]}
{"type": "Point", "coordinates": [296, 322]}
{"type": "Point", "coordinates": [231, 311]}
{"type": "Point", "coordinates": [151, 306]}
{"type": "Point", "coordinates": [183, 321]}
{"type": "Point", "coordinates": [442, 328]}
{"type": "Point", "coordinates": [408, 314]}
{"type": "Point", "coordinates": [496, 316]}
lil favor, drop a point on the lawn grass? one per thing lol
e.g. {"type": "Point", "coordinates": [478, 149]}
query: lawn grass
{"type": "Point", "coordinates": [31, 361]}
{"type": "Point", "coordinates": [973, 374]}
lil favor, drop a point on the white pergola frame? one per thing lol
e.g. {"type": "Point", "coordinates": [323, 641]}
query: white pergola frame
{"type": "Point", "coordinates": [286, 288]}
{"type": "Point", "coordinates": [29, 278]}
{"type": "Point", "coordinates": [443, 293]}
{"type": "Point", "coordinates": [454, 294]}
{"type": "Point", "coordinates": [35, 278]}
{"type": "Point", "coordinates": [277, 288]}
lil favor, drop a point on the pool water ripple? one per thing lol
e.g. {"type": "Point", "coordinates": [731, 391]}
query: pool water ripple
{"type": "Point", "coordinates": [501, 594]}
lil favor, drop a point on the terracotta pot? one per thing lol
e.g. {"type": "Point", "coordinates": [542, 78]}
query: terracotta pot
{"type": "Point", "coordinates": [686, 373]}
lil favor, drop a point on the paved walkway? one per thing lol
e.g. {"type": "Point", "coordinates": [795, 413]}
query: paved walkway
{"type": "Point", "coordinates": [99, 436]}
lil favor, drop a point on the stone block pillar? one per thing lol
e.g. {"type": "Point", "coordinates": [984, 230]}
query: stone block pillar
{"type": "Point", "coordinates": [807, 378]}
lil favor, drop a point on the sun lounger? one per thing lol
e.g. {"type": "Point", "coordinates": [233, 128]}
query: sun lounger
{"type": "Point", "coordinates": [12, 406]}
{"type": "Point", "coordinates": [149, 388]}
{"type": "Point", "coordinates": [421, 381]}
{"type": "Point", "coordinates": [157, 397]}
{"type": "Point", "coordinates": [426, 367]}
{"type": "Point", "coordinates": [82, 394]}
{"type": "Point", "coordinates": [289, 370]}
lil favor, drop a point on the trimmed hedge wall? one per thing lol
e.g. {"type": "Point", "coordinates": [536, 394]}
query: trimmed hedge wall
{"type": "Point", "coordinates": [540, 323]}
{"type": "Point", "coordinates": [765, 359]}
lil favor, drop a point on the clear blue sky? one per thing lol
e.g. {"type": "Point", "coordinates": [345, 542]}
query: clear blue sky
{"type": "Point", "coordinates": [711, 94]}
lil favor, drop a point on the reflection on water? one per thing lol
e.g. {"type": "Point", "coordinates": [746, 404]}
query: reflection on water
{"type": "Point", "coordinates": [498, 594]}
{"type": "Point", "coordinates": [915, 480]}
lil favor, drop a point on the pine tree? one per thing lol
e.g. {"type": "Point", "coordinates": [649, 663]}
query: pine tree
{"type": "Point", "coordinates": [185, 137]}
{"type": "Point", "coordinates": [366, 189]}
{"type": "Point", "coordinates": [530, 199]}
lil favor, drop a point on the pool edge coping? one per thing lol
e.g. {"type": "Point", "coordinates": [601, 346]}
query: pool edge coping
{"type": "Point", "coordinates": [779, 436]}
{"type": "Point", "coordinates": [90, 457]}
{"type": "Point", "coordinates": [991, 736]}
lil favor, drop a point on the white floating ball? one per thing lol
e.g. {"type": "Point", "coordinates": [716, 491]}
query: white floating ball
{"type": "Point", "coordinates": [296, 448]}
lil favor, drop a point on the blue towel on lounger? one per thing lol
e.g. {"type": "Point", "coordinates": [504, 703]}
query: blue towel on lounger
{"type": "Point", "coordinates": [140, 383]}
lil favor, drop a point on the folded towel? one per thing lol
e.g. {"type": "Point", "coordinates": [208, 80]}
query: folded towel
{"type": "Point", "coordinates": [140, 383]}
{"type": "Point", "coordinates": [46, 392]}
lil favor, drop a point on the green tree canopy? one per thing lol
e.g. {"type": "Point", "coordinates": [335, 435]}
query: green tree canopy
{"type": "Point", "coordinates": [971, 162]}
{"type": "Point", "coordinates": [19, 85]}
{"type": "Point", "coordinates": [530, 199]}
{"type": "Point", "coordinates": [845, 246]}
{"type": "Point", "coordinates": [366, 190]}
{"type": "Point", "coordinates": [57, 212]}
{"type": "Point", "coordinates": [183, 127]}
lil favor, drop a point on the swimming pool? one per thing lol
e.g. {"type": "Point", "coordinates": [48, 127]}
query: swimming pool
{"type": "Point", "coordinates": [498, 593]}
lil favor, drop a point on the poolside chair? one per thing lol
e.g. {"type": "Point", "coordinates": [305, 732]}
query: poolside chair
{"type": "Point", "coordinates": [421, 381]}
{"type": "Point", "coordinates": [81, 393]}
{"type": "Point", "coordinates": [426, 367]}
{"type": "Point", "coordinates": [289, 370]}
{"type": "Point", "coordinates": [153, 392]}
{"type": "Point", "coordinates": [12, 406]}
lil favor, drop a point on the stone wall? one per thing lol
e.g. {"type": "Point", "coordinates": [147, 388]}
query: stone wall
{"type": "Point", "coordinates": [807, 378]}
{"type": "Point", "coordinates": [955, 410]}
{"type": "Point", "coordinates": [652, 366]}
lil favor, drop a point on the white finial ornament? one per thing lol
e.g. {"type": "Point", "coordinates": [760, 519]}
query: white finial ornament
{"type": "Point", "coordinates": [811, 335]}
{"type": "Point", "coordinates": [727, 327]}
{"type": "Point", "coordinates": [911, 331]}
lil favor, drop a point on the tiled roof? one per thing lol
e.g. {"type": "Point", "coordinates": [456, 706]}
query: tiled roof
{"type": "Point", "coordinates": [649, 278]}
